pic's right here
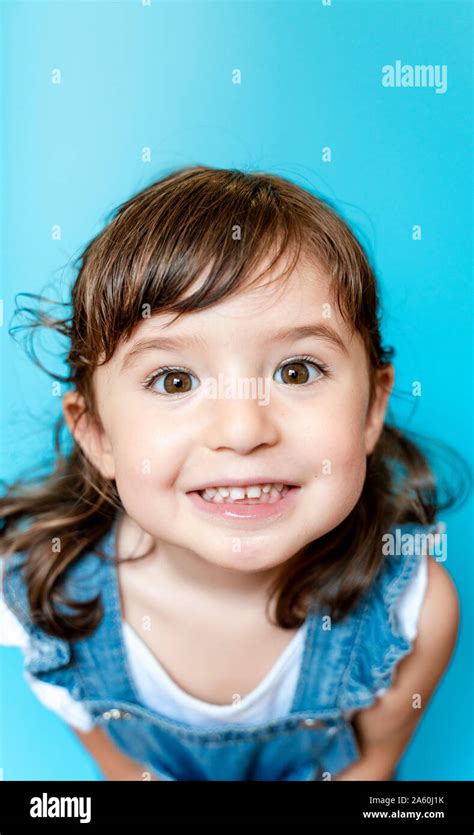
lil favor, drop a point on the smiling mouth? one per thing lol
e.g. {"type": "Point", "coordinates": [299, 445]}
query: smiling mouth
{"type": "Point", "coordinates": [253, 494]}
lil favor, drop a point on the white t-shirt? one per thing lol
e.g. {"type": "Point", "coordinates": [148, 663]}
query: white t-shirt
{"type": "Point", "coordinates": [271, 699]}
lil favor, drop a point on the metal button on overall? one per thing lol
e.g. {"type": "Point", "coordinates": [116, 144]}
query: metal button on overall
{"type": "Point", "coordinates": [115, 713]}
{"type": "Point", "coordinates": [317, 725]}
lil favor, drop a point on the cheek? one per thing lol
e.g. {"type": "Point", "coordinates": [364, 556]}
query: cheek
{"type": "Point", "coordinates": [335, 433]}
{"type": "Point", "coordinates": [336, 450]}
{"type": "Point", "coordinates": [343, 468]}
{"type": "Point", "coordinates": [146, 450]}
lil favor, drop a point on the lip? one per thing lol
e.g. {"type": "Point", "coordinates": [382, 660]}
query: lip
{"type": "Point", "coordinates": [246, 512]}
{"type": "Point", "coordinates": [243, 482]}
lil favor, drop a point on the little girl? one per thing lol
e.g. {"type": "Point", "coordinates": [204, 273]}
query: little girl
{"type": "Point", "coordinates": [230, 574]}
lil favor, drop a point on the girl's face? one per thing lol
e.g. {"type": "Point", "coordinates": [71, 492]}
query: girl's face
{"type": "Point", "coordinates": [269, 386]}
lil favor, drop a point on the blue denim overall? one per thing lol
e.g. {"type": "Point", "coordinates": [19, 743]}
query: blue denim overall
{"type": "Point", "coordinates": [341, 669]}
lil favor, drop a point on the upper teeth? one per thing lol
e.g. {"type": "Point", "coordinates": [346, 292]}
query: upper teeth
{"type": "Point", "coordinates": [253, 491]}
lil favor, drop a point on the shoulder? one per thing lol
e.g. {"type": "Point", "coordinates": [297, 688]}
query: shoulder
{"type": "Point", "coordinates": [439, 618]}
{"type": "Point", "coordinates": [396, 713]}
{"type": "Point", "coordinates": [417, 591]}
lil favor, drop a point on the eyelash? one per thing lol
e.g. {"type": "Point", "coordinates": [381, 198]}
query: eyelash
{"type": "Point", "coordinates": [167, 369]}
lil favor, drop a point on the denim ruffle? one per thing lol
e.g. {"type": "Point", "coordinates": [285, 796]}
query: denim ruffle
{"type": "Point", "coordinates": [379, 646]}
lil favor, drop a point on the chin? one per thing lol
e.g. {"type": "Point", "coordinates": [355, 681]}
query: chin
{"type": "Point", "coordinates": [246, 561]}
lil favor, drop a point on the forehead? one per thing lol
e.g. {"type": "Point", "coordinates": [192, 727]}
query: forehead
{"type": "Point", "coordinates": [276, 303]}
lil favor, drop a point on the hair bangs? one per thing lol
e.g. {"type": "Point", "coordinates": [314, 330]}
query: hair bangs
{"type": "Point", "coordinates": [184, 253]}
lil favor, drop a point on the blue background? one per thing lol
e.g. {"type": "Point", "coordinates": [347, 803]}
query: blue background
{"type": "Point", "coordinates": [160, 77]}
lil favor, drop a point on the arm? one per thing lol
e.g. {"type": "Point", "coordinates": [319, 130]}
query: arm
{"type": "Point", "coordinates": [384, 729]}
{"type": "Point", "coordinates": [112, 762]}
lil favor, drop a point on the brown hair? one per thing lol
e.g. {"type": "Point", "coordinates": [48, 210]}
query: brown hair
{"type": "Point", "coordinates": [149, 253]}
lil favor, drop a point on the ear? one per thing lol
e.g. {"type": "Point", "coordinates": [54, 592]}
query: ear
{"type": "Point", "coordinates": [89, 434]}
{"type": "Point", "coordinates": [384, 381]}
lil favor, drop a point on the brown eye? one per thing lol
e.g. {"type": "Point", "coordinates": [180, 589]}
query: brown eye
{"type": "Point", "coordinates": [177, 382]}
{"type": "Point", "coordinates": [171, 381]}
{"type": "Point", "coordinates": [298, 372]}
{"type": "Point", "coordinates": [294, 373]}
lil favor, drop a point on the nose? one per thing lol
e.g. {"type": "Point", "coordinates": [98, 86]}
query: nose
{"type": "Point", "coordinates": [241, 425]}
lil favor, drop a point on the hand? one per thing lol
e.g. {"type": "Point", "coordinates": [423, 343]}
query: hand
{"type": "Point", "coordinates": [112, 762]}
{"type": "Point", "coordinates": [127, 769]}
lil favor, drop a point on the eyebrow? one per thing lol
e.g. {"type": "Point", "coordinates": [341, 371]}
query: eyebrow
{"type": "Point", "coordinates": [165, 343]}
